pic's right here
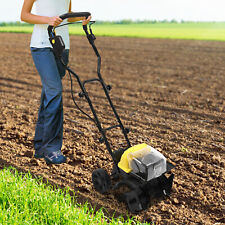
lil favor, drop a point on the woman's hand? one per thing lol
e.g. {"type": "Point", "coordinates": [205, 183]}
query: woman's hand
{"type": "Point", "coordinates": [86, 21]}
{"type": "Point", "coordinates": [54, 21]}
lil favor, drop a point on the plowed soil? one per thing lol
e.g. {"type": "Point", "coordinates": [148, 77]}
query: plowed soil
{"type": "Point", "coordinates": [170, 93]}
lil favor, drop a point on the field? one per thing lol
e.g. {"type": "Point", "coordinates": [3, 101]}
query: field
{"type": "Point", "coordinates": [195, 31]}
{"type": "Point", "coordinates": [169, 92]}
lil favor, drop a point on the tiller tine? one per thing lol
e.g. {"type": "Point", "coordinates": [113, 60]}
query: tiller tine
{"type": "Point", "coordinates": [140, 198]}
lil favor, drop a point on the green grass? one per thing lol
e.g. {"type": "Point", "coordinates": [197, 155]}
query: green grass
{"type": "Point", "coordinates": [192, 31]}
{"type": "Point", "coordinates": [24, 200]}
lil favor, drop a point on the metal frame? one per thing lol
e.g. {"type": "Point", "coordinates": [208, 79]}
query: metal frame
{"type": "Point", "coordinates": [106, 88]}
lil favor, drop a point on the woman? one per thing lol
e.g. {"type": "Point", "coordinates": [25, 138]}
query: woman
{"type": "Point", "coordinates": [49, 127]}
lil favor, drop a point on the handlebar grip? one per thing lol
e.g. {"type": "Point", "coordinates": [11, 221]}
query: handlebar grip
{"type": "Point", "coordinates": [69, 15]}
{"type": "Point", "coordinates": [73, 15]}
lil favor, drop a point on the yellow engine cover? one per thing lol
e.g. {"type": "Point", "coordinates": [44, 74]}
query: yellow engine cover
{"type": "Point", "coordinates": [124, 161]}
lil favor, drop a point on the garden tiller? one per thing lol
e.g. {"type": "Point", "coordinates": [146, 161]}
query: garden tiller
{"type": "Point", "coordinates": [140, 171]}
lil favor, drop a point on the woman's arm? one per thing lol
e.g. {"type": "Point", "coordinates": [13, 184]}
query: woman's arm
{"type": "Point", "coordinates": [85, 21]}
{"type": "Point", "coordinates": [28, 17]}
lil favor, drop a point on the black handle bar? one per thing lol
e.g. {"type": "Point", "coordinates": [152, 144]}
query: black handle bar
{"type": "Point", "coordinates": [77, 14]}
{"type": "Point", "coordinates": [69, 15]}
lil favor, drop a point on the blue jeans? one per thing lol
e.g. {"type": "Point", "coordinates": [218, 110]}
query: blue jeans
{"type": "Point", "coordinates": [49, 127]}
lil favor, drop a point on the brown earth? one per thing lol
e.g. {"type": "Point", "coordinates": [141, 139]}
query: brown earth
{"type": "Point", "coordinates": [170, 93]}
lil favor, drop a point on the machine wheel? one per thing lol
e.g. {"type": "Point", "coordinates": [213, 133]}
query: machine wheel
{"type": "Point", "coordinates": [101, 180]}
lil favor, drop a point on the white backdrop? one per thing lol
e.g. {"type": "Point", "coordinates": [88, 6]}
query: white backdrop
{"type": "Point", "coordinates": [195, 10]}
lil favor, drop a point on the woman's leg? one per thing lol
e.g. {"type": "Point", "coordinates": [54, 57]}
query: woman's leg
{"type": "Point", "coordinates": [39, 127]}
{"type": "Point", "coordinates": [52, 126]}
